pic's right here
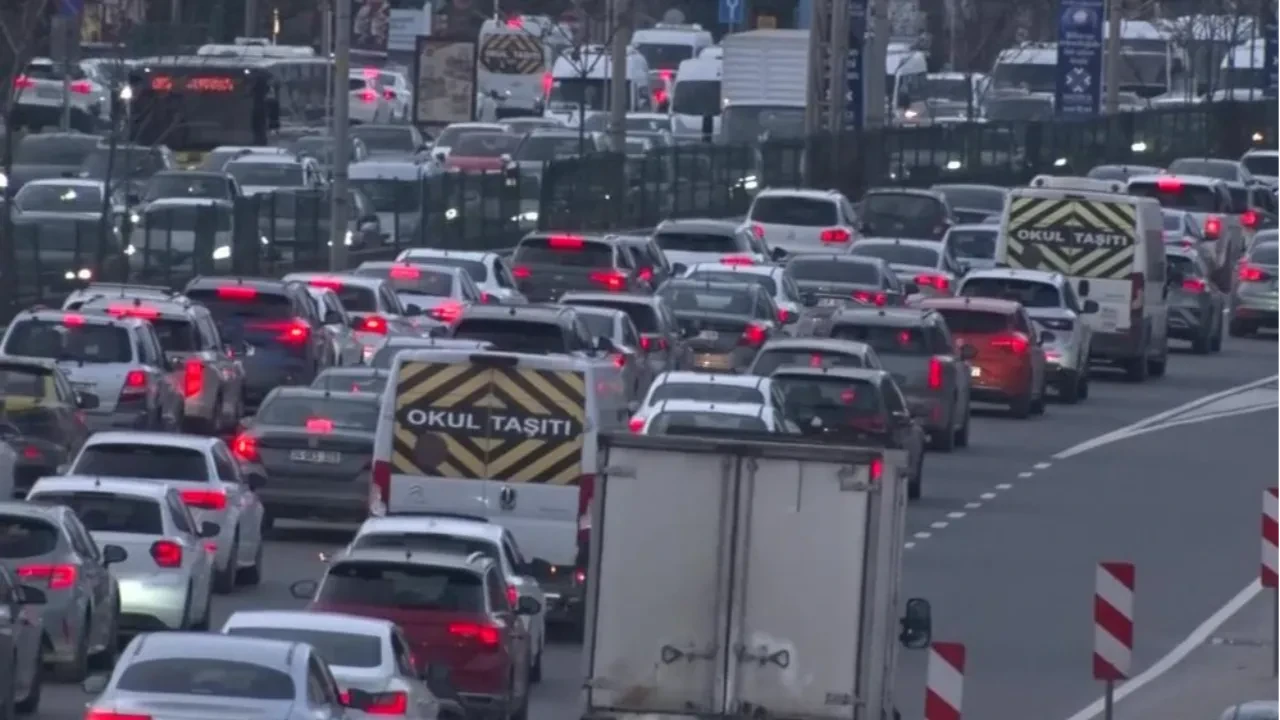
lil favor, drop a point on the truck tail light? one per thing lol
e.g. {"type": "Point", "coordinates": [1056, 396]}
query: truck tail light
{"type": "Point", "coordinates": [192, 377]}
{"type": "Point", "coordinates": [935, 374]}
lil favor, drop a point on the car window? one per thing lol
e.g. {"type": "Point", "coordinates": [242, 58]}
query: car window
{"type": "Point", "coordinates": [822, 270]}
{"type": "Point", "coordinates": [402, 655]}
{"type": "Point", "coordinates": [1029, 293]}
{"type": "Point", "coordinates": [109, 512]}
{"type": "Point", "coordinates": [403, 586]}
{"type": "Point", "coordinates": [7, 583]}
{"type": "Point", "coordinates": [975, 322]}
{"type": "Point", "coordinates": [815, 402]}
{"type": "Point", "coordinates": [567, 251]}
{"type": "Point", "coordinates": [725, 299]}
{"type": "Point", "coordinates": [630, 337]}
{"type": "Point", "coordinates": [70, 340]}
{"type": "Point", "coordinates": [24, 537]}
{"type": "Point", "coordinates": [80, 539]}
{"type": "Point", "coordinates": [1265, 254]}
{"type": "Point", "coordinates": [141, 461]}
{"type": "Point", "coordinates": [317, 690]}
{"type": "Point", "coordinates": [795, 211]}
{"type": "Point", "coordinates": [676, 241]}
{"type": "Point", "coordinates": [771, 359]}
{"type": "Point", "coordinates": [206, 677]}
{"type": "Point", "coordinates": [344, 649]}
{"type": "Point", "coordinates": [228, 471]}
{"type": "Point", "coordinates": [895, 253]}
{"type": "Point", "coordinates": [705, 392]}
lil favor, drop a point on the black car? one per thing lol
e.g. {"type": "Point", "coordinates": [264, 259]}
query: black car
{"type": "Point", "coordinates": [905, 213]}
{"type": "Point", "coordinates": [866, 279]}
{"type": "Point", "coordinates": [49, 155]}
{"type": "Point", "coordinates": [724, 324]}
{"type": "Point", "coordinates": [973, 203]}
{"type": "Point", "coordinates": [661, 343]}
{"type": "Point", "coordinates": [546, 265]}
{"type": "Point", "coordinates": [272, 325]}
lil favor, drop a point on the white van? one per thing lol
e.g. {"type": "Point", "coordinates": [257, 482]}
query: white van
{"type": "Point", "coordinates": [580, 82]}
{"type": "Point", "coordinates": [696, 95]}
{"type": "Point", "coordinates": [1111, 246]}
{"type": "Point", "coordinates": [1031, 67]}
{"type": "Point", "coordinates": [513, 63]}
{"type": "Point", "coordinates": [906, 71]}
{"type": "Point", "coordinates": [664, 46]}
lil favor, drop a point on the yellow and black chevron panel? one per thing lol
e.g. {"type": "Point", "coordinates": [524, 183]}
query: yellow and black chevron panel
{"type": "Point", "coordinates": [1080, 238]}
{"type": "Point", "coordinates": [512, 54]}
{"type": "Point", "coordinates": [514, 425]}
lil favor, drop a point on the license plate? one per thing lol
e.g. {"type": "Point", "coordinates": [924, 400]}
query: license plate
{"type": "Point", "coordinates": [975, 372]}
{"type": "Point", "coordinates": [709, 335]}
{"type": "Point", "coordinates": [829, 302]}
{"type": "Point", "coordinates": [49, 93]}
{"type": "Point", "coordinates": [316, 456]}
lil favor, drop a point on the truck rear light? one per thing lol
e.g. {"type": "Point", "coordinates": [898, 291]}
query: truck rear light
{"type": "Point", "coordinates": [58, 577]}
{"type": "Point", "coordinates": [380, 488]}
{"type": "Point", "coordinates": [166, 553]}
{"type": "Point", "coordinates": [192, 377]}
{"type": "Point", "coordinates": [935, 374]}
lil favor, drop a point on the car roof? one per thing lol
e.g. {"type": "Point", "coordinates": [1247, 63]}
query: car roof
{"type": "Point", "coordinates": [823, 257]}
{"type": "Point", "coordinates": [151, 439]}
{"type": "Point", "coordinates": [1201, 180]}
{"type": "Point", "coordinates": [696, 284]}
{"type": "Point", "coordinates": [996, 305]}
{"type": "Point", "coordinates": [360, 370]}
{"type": "Point", "coordinates": [421, 264]}
{"type": "Point", "coordinates": [985, 227]}
{"type": "Point", "coordinates": [824, 344]}
{"type": "Point", "coordinates": [410, 524]}
{"type": "Point", "coordinates": [386, 170]}
{"type": "Point", "coordinates": [21, 508]}
{"type": "Point", "coordinates": [918, 192]}
{"type": "Point", "coordinates": [533, 313]}
{"type": "Point", "coordinates": [612, 313]}
{"type": "Point", "coordinates": [416, 255]}
{"type": "Point", "coordinates": [411, 557]}
{"type": "Point", "coordinates": [34, 362]}
{"type": "Point", "coordinates": [701, 378]}
{"type": "Point", "coordinates": [1043, 276]}
{"type": "Point", "coordinates": [708, 226]}
{"type": "Point", "coordinates": [266, 159]}
{"type": "Point", "coordinates": [66, 182]}
{"type": "Point", "coordinates": [888, 317]}
{"type": "Point", "coordinates": [112, 485]}
{"type": "Point", "coordinates": [752, 269]}
{"type": "Point", "coordinates": [723, 408]}
{"type": "Point", "coordinates": [322, 279]}
{"type": "Point", "coordinates": [311, 620]}
{"type": "Point", "coordinates": [1205, 160]}
{"type": "Point", "coordinates": [55, 315]}
{"type": "Point", "coordinates": [260, 651]}
{"type": "Point", "coordinates": [303, 391]}
{"type": "Point", "coordinates": [631, 298]}
{"type": "Point", "coordinates": [264, 285]}
{"type": "Point", "coordinates": [807, 193]}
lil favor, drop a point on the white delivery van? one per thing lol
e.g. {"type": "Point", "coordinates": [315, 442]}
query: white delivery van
{"type": "Point", "coordinates": [906, 73]}
{"type": "Point", "coordinates": [696, 95]}
{"type": "Point", "coordinates": [764, 85]}
{"type": "Point", "coordinates": [580, 84]}
{"type": "Point", "coordinates": [664, 46]}
{"type": "Point", "coordinates": [513, 63]}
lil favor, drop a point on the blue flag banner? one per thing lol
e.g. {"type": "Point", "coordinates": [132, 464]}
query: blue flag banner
{"type": "Point", "coordinates": [1079, 83]}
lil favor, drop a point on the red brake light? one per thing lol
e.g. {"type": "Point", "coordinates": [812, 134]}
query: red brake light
{"type": "Point", "coordinates": [96, 714]}
{"type": "Point", "coordinates": [380, 488]}
{"type": "Point", "coordinates": [757, 230]}
{"type": "Point", "coordinates": [815, 360]}
{"type": "Point", "coordinates": [645, 274]}
{"type": "Point", "coordinates": [1212, 227]}
{"type": "Point", "coordinates": [166, 553]}
{"type": "Point", "coordinates": [319, 425]}
{"type": "Point", "coordinates": [296, 333]}
{"type": "Point", "coordinates": [935, 374]}
{"type": "Point", "coordinates": [404, 272]}
{"type": "Point", "coordinates": [73, 320]}
{"type": "Point", "coordinates": [486, 636]}
{"type": "Point", "coordinates": [835, 236]}
{"type": "Point", "coordinates": [660, 96]}
{"type": "Point", "coordinates": [1249, 218]}
{"type": "Point", "coordinates": [32, 453]}
{"type": "Point", "coordinates": [737, 260]}
{"type": "Point", "coordinates": [59, 577]}
{"type": "Point", "coordinates": [870, 298]}
{"type": "Point", "coordinates": [372, 324]}
{"type": "Point", "coordinates": [328, 283]}
{"type": "Point", "coordinates": [938, 282]}
{"type": "Point", "coordinates": [784, 315]}
{"type": "Point", "coordinates": [192, 377]}
{"type": "Point", "coordinates": [22, 82]}
{"type": "Point", "coordinates": [513, 596]}
{"type": "Point", "coordinates": [245, 447]}
{"type": "Point", "coordinates": [1193, 285]}
{"type": "Point", "coordinates": [636, 425]}
{"type": "Point", "coordinates": [135, 379]}
{"type": "Point", "coordinates": [392, 703]}
{"type": "Point", "coordinates": [619, 361]}
{"type": "Point", "coordinates": [81, 87]}
{"type": "Point", "coordinates": [565, 242]}
{"type": "Point", "coordinates": [754, 335]}
{"type": "Point", "coordinates": [1250, 273]}
{"type": "Point", "coordinates": [447, 312]}
{"type": "Point", "coordinates": [877, 469]}
{"type": "Point", "coordinates": [1168, 184]}
{"type": "Point", "coordinates": [515, 21]}
{"type": "Point", "coordinates": [665, 75]}
{"type": "Point", "coordinates": [237, 292]}
{"type": "Point", "coordinates": [611, 279]}
{"type": "Point", "coordinates": [648, 343]}
{"type": "Point", "coordinates": [1015, 343]}
{"type": "Point", "coordinates": [521, 272]}
{"type": "Point", "coordinates": [206, 499]}
{"type": "Point", "coordinates": [548, 80]}
{"type": "Point", "coordinates": [389, 94]}
{"type": "Point", "coordinates": [146, 313]}
{"type": "Point", "coordinates": [368, 96]}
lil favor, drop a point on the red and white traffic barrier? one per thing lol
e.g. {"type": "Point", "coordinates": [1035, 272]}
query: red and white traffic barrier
{"type": "Point", "coordinates": [944, 686]}
{"type": "Point", "coordinates": [1113, 621]}
{"type": "Point", "coordinates": [1270, 538]}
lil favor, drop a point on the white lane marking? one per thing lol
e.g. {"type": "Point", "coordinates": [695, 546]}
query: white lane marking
{"type": "Point", "coordinates": [940, 525]}
{"type": "Point", "coordinates": [1025, 475]}
{"type": "Point", "coordinates": [1178, 653]}
{"type": "Point", "coordinates": [1158, 418]}
{"type": "Point", "coordinates": [1202, 418]}
{"type": "Point", "coordinates": [1004, 486]}
{"type": "Point", "coordinates": [909, 545]}
{"type": "Point", "coordinates": [972, 505]}
{"type": "Point", "coordinates": [923, 535]}
{"type": "Point", "coordinates": [988, 496]}
{"type": "Point", "coordinates": [1042, 465]}
{"type": "Point", "coordinates": [955, 515]}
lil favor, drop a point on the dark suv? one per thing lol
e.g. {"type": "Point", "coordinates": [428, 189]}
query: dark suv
{"type": "Point", "coordinates": [905, 213]}
{"type": "Point", "coordinates": [271, 325]}
{"type": "Point", "coordinates": [546, 265]}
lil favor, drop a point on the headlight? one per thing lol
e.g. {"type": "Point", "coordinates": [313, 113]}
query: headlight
{"type": "Point", "coordinates": [530, 216]}
{"type": "Point", "coordinates": [749, 182]}
{"type": "Point", "coordinates": [1138, 147]}
{"type": "Point", "coordinates": [129, 250]}
{"type": "Point", "coordinates": [264, 240]}
{"type": "Point", "coordinates": [4, 181]}
{"type": "Point", "coordinates": [81, 274]}
{"type": "Point", "coordinates": [451, 214]}
{"type": "Point", "coordinates": [135, 218]}
{"type": "Point", "coordinates": [910, 114]}
{"type": "Point", "coordinates": [953, 164]}
{"type": "Point", "coordinates": [222, 253]}
{"type": "Point", "coordinates": [1060, 162]}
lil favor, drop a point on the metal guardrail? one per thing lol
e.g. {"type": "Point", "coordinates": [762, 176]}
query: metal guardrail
{"type": "Point", "coordinates": [282, 232]}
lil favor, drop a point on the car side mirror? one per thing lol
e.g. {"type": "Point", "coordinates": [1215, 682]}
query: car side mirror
{"type": "Point", "coordinates": [916, 624]}
{"type": "Point", "coordinates": [94, 684]}
{"type": "Point", "coordinates": [87, 401]}
{"type": "Point", "coordinates": [528, 606]}
{"type": "Point", "coordinates": [902, 417]}
{"type": "Point", "coordinates": [357, 699]}
{"type": "Point", "coordinates": [1083, 288]}
{"type": "Point", "coordinates": [28, 595]}
{"type": "Point", "coordinates": [209, 529]}
{"type": "Point", "coordinates": [911, 288]}
{"type": "Point", "coordinates": [1046, 337]}
{"type": "Point", "coordinates": [968, 352]}
{"type": "Point", "coordinates": [113, 555]}
{"type": "Point", "coordinates": [1090, 307]}
{"type": "Point", "coordinates": [256, 481]}
{"type": "Point", "coordinates": [778, 254]}
{"type": "Point", "coordinates": [304, 589]}
{"type": "Point", "coordinates": [809, 299]}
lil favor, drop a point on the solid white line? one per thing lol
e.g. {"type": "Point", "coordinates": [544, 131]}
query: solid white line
{"type": "Point", "coordinates": [1042, 465]}
{"type": "Point", "coordinates": [972, 505]}
{"type": "Point", "coordinates": [1178, 654]}
{"type": "Point", "coordinates": [940, 525]}
{"type": "Point", "coordinates": [955, 515]}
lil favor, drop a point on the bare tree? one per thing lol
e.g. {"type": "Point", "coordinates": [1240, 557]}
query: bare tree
{"type": "Point", "coordinates": [23, 26]}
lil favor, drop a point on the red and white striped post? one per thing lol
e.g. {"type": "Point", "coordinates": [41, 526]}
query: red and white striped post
{"type": "Point", "coordinates": [944, 684]}
{"type": "Point", "coordinates": [1268, 575]}
{"type": "Point", "coordinates": [1112, 627]}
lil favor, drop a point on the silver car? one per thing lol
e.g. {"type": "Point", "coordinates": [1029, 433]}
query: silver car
{"type": "Point", "coordinates": [364, 653]}
{"type": "Point", "coordinates": [212, 675]}
{"type": "Point", "coordinates": [339, 327]}
{"type": "Point", "coordinates": [21, 631]}
{"type": "Point", "coordinates": [48, 548]}
{"type": "Point", "coordinates": [487, 269]}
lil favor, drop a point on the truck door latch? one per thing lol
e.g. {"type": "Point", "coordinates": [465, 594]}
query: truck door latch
{"type": "Point", "coordinates": [671, 654]}
{"type": "Point", "coordinates": [762, 656]}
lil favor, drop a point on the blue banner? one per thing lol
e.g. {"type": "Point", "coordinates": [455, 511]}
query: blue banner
{"type": "Point", "coordinates": [1079, 86]}
{"type": "Point", "coordinates": [1272, 49]}
{"type": "Point", "coordinates": [854, 107]}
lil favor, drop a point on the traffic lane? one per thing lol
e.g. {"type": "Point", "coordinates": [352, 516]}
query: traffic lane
{"type": "Point", "coordinates": [1001, 446]}
{"type": "Point", "coordinates": [1014, 579]}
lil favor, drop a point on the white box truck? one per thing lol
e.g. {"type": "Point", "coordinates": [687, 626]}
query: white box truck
{"type": "Point", "coordinates": [746, 579]}
{"type": "Point", "coordinates": [763, 85]}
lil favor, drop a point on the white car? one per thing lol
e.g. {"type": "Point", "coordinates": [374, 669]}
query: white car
{"type": "Point", "coordinates": [374, 309]}
{"type": "Point", "coordinates": [686, 242]}
{"type": "Point", "coordinates": [367, 103]}
{"type": "Point", "coordinates": [266, 173]}
{"type": "Point", "coordinates": [209, 482]}
{"type": "Point", "coordinates": [923, 263]}
{"type": "Point", "coordinates": [1263, 164]}
{"type": "Point", "coordinates": [774, 279]}
{"type": "Point", "coordinates": [166, 581]}
{"type": "Point", "coordinates": [364, 653]}
{"type": "Point", "coordinates": [727, 418]}
{"type": "Point", "coordinates": [705, 387]}
{"type": "Point", "coordinates": [465, 536]}
{"type": "Point", "coordinates": [798, 220]}
{"type": "Point", "coordinates": [488, 271]}
{"type": "Point", "coordinates": [395, 90]}
{"type": "Point", "coordinates": [39, 88]}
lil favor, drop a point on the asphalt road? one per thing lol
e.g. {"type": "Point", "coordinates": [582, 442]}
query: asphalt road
{"type": "Point", "coordinates": [1006, 550]}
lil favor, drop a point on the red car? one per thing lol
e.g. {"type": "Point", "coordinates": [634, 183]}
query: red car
{"type": "Point", "coordinates": [455, 612]}
{"type": "Point", "coordinates": [482, 152]}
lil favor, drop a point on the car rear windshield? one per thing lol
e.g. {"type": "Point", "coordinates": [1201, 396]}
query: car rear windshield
{"type": "Point", "coordinates": [355, 298]}
{"type": "Point", "coordinates": [565, 252]}
{"type": "Point", "coordinates": [1176, 196]}
{"type": "Point", "coordinates": [25, 382]}
{"type": "Point", "coordinates": [643, 316]}
{"type": "Point", "coordinates": [61, 198]}
{"type": "Point", "coordinates": [974, 198]}
{"type": "Point", "coordinates": [815, 402]}
{"type": "Point", "coordinates": [430, 542]}
{"type": "Point", "coordinates": [698, 242]}
{"type": "Point", "coordinates": [513, 335]}
{"type": "Point", "coordinates": [598, 324]}
{"type": "Point", "coordinates": [885, 339]}
{"type": "Point", "coordinates": [176, 335]}
{"type": "Point", "coordinates": [1264, 165]}
{"type": "Point", "coordinates": [1266, 254]}
{"type": "Point", "coordinates": [763, 281]}
{"type": "Point", "coordinates": [685, 421]}
{"type": "Point", "coordinates": [337, 648]}
{"type": "Point", "coordinates": [22, 537]}
{"type": "Point", "coordinates": [1219, 169]}
{"type": "Point", "coordinates": [58, 340]}
{"type": "Point", "coordinates": [54, 150]}
{"type": "Point", "coordinates": [318, 412]}
{"type": "Point", "coordinates": [795, 211]}
{"type": "Point", "coordinates": [402, 586]}
{"type": "Point", "coordinates": [339, 381]}
{"type": "Point", "coordinates": [975, 244]}
{"type": "Point", "coordinates": [706, 392]}
{"type": "Point", "coordinates": [414, 280]}
{"type": "Point", "coordinates": [975, 322]}
{"type": "Point", "coordinates": [143, 462]}
{"type": "Point", "coordinates": [476, 269]}
{"type": "Point", "coordinates": [725, 300]}
{"type": "Point", "coordinates": [107, 512]}
{"type": "Point", "coordinates": [898, 254]}
{"type": "Point", "coordinates": [823, 270]}
{"type": "Point", "coordinates": [771, 359]}
{"type": "Point", "coordinates": [1030, 293]}
{"type": "Point", "coordinates": [902, 215]}
{"type": "Point", "coordinates": [204, 677]}
{"type": "Point", "coordinates": [245, 314]}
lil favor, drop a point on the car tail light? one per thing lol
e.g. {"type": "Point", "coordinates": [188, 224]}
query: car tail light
{"type": "Point", "coordinates": [22, 82]}
{"type": "Point", "coordinates": [784, 315]}
{"type": "Point", "coordinates": [1017, 343]}
{"type": "Point", "coordinates": [870, 298]}
{"type": "Point", "coordinates": [937, 282]}
{"type": "Point", "coordinates": [389, 94]}
{"type": "Point", "coordinates": [166, 553]}
{"type": "Point", "coordinates": [521, 272]}
{"type": "Point", "coordinates": [513, 595]}
{"type": "Point", "coordinates": [319, 425]}
{"type": "Point", "coordinates": [327, 283]}
{"type": "Point", "coordinates": [404, 272]}
{"type": "Point", "coordinates": [237, 292]}
{"type": "Point", "coordinates": [737, 260]}
{"type": "Point", "coordinates": [1212, 227]}
{"type": "Point", "coordinates": [146, 313]}
{"type": "Point", "coordinates": [96, 714]}
{"type": "Point", "coordinates": [245, 447]}
{"type": "Point", "coordinates": [1168, 184]}
{"type": "Point", "coordinates": [815, 360]}
{"type": "Point", "coordinates": [1252, 273]}
{"type": "Point", "coordinates": [619, 360]}
{"type": "Point", "coordinates": [295, 333]}
{"type": "Point", "coordinates": [32, 453]}
{"type": "Point", "coordinates": [81, 87]}
{"type": "Point", "coordinates": [610, 279]}
{"type": "Point", "coordinates": [372, 324]}
{"type": "Point", "coordinates": [1194, 285]}
{"type": "Point", "coordinates": [390, 703]}
{"type": "Point", "coordinates": [835, 236]}
{"type": "Point", "coordinates": [660, 96]}
{"type": "Point", "coordinates": [485, 635]}
{"type": "Point", "coordinates": [636, 425]}
{"type": "Point", "coordinates": [649, 343]}
{"type": "Point", "coordinates": [645, 274]}
{"type": "Point", "coordinates": [368, 96]}
{"type": "Point", "coordinates": [135, 386]}
{"type": "Point", "coordinates": [877, 469]}
{"type": "Point", "coordinates": [1249, 218]}
{"type": "Point", "coordinates": [754, 335]}
{"type": "Point", "coordinates": [380, 487]}
{"type": "Point", "coordinates": [548, 80]}
{"type": "Point", "coordinates": [205, 499]}
{"type": "Point", "coordinates": [1137, 290]}
{"type": "Point", "coordinates": [447, 311]}
{"type": "Point", "coordinates": [565, 242]}
{"type": "Point", "coordinates": [758, 230]}
{"type": "Point", "coordinates": [59, 577]}
{"type": "Point", "coordinates": [73, 320]}
{"type": "Point", "coordinates": [192, 377]}
{"type": "Point", "coordinates": [579, 577]}
{"type": "Point", "coordinates": [935, 374]}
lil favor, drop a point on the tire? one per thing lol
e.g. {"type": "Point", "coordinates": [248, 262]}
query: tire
{"type": "Point", "coordinates": [203, 623]}
{"type": "Point", "coordinates": [1069, 388]}
{"type": "Point", "coordinates": [1239, 329]}
{"type": "Point", "coordinates": [224, 581]}
{"type": "Point", "coordinates": [105, 659]}
{"type": "Point", "coordinates": [535, 669]}
{"type": "Point", "coordinates": [915, 485]}
{"type": "Point", "coordinates": [31, 703]}
{"type": "Point", "coordinates": [945, 441]}
{"type": "Point", "coordinates": [252, 576]}
{"type": "Point", "coordinates": [1020, 407]}
{"type": "Point", "coordinates": [1084, 386]}
{"type": "Point", "coordinates": [1156, 368]}
{"type": "Point", "coordinates": [962, 435]}
{"type": "Point", "coordinates": [1215, 341]}
{"type": "Point", "coordinates": [10, 697]}
{"type": "Point", "coordinates": [1137, 369]}
{"type": "Point", "coordinates": [1037, 405]}
{"type": "Point", "coordinates": [1201, 343]}
{"type": "Point", "coordinates": [76, 669]}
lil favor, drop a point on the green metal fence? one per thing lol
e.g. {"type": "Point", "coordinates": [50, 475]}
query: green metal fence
{"type": "Point", "coordinates": [276, 233]}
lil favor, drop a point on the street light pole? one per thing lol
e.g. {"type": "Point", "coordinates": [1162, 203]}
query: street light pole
{"type": "Point", "coordinates": [341, 139]}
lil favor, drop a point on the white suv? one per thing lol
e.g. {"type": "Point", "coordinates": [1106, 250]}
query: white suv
{"type": "Point", "coordinates": [799, 221]}
{"type": "Point", "coordinates": [38, 91]}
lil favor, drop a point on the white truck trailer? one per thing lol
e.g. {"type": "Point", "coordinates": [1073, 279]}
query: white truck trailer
{"type": "Point", "coordinates": [763, 86]}
{"type": "Point", "coordinates": [746, 579]}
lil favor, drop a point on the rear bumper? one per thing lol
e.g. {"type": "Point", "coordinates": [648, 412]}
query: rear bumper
{"type": "Point", "coordinates": [149, 602]}
{"type": "Point", "coordinates": [1117, 346]}
{"type": "Point", "coordinates": [1259, 310]}
{"type": "Point", "coordinates": [998, 396]}
{"type": "Point", "coordinates": [1186, 323]}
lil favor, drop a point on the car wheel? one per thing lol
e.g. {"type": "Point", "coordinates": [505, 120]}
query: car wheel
{"type": "Point", "coordinates": [251, 576]}
{"type": "Point", "coordinates": [1156, 368]}
{"type": "Point", "coordinates": [1084, 385]}
{"type": "Point", "coordinates": [1020, 407]}
{"type": "Point", "coordinates": [224, 580]}
{"type": "Point", "coordinates": [1201, 343]}
{"type": "Point", "coordinates": [1069, 388]}
{"type": "Point", "coordinates": [31, 702]}
{"type": "Point", "coordinates": [77, 668]}
{"type": "Point", "coordinates": [105, 658]}
{"type": "Point", "coordinates": [962, 435]}
{"type": "Point", "coordinates": [535, 669]}
{"type": "Point", "coordinates": [1136, 369]}
{"type": "Point", "coordinates": [1239, 328]}
{"type": "Point", "coordinates": [1037, 404]}
{"type": "Point", "coordinates": [1215, 340]}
